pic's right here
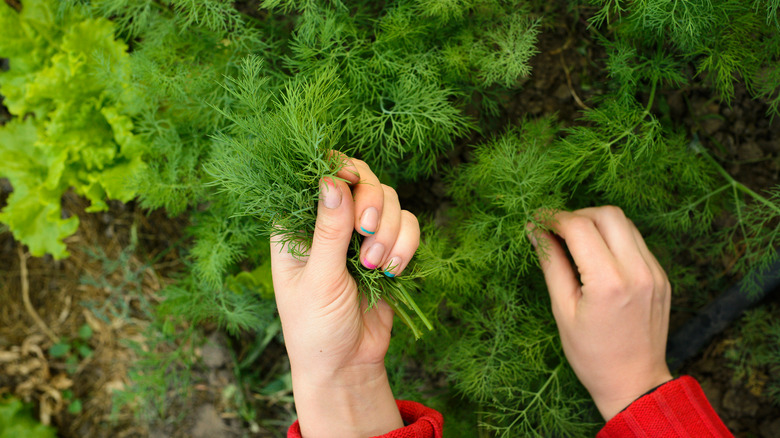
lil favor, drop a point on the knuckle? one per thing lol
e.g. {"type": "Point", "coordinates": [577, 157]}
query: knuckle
{"type": "Point", "coordinates": [643, 280]}
{"type": "Point", "coordinates": [614, 211]}
{"type": "Point", "coordinates": [613, 283]}
{"type": "Point", "coordinates": [327, 232]}
{"type": "Point", "coordinates": [390, 192]}
{"type": "Point", "coordinates": [358, 162]}
{"type": "Point", "coordinates": [580, 225]}
{"type": "Point", "coordinates": [614, 288]}
{"type": "Point", "coordinates": [410, 219]}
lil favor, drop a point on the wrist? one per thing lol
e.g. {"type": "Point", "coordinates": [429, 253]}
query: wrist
{"type": "Point", "coordinates": [613, 404]}
{"type": "Point", "coordinates": [354, 402]}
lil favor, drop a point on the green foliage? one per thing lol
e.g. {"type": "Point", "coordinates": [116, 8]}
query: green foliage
{"type": "Point", "coordinates": [182, 51]}
{"type": "Point", "coordinates": [16, 421]}
{"type": "Point", "coordinates": [386, 91]}
{"type": "Point", "coordinates": [73, 351]}
{"type": "Point", "coordinates": [502, 352]}
{"type": "Point", "coordinates": [235, 116]}
{"type": "Point", "coordinates": [406, 77]}
{"type": "Point", "coordinates": [161, 379]}
{"type": "Point", "coordinates": [754, 355]}
{"type": "Point", "coordinates": [69, 87]}
{"type": "Point", "coordinates": [727, 41]}
{"type": "Point", "coordinates": [271, 163]}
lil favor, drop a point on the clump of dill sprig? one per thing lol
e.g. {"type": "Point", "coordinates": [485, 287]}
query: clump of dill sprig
{"type": "Point", "coordinates": [274, 154]}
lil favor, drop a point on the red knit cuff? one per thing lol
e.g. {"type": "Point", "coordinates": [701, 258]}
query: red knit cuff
{"type": "Point", "coordinates": [423, 422]}
{"type": "Point", "coordinates": [678, 408]}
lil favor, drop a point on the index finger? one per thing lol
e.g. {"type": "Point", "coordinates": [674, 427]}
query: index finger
{"type": "Point", "coordinates": [595, 262]}
{"type": "Point", "coordinates": [367, 192]}
{"type": "Point", "coordinates": [348, 171]}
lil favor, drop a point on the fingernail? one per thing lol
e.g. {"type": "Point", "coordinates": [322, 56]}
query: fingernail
{"type": "Point", "coordinates": [330, 194]}
{"type": "Point", "coordinates": [369, 220]}
{"type": "Point", "coordinates": [530, 233]}
{"type": "Point", "coordinates": [392, 265]}
{"type": "Point", "coordinates": [374, 256]}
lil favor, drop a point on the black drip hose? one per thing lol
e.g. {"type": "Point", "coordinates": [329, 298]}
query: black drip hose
{"type": "Point", "coordinates": [716, 316]}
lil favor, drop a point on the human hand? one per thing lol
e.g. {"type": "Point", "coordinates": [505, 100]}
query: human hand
{"type": "Point", "coordinates": [614, 319]}
{"type": "Point", "coordinates": [336, 347]}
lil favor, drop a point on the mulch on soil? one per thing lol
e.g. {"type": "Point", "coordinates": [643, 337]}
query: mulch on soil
{"type": "Point", "coordinates": [56, 293]}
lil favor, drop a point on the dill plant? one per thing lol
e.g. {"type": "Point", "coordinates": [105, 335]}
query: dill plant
{"type": "Point", "coordinates": [399, 108]}
{"type": "Point", "coordinates": [409, 70]}
{"type": "Point", "coordinates": [271, 161]}
{"type": "Point", "coordinates": [502, 355]}
{"type": "Point", "coordinates": [239, 146]}
{"type": "Point", "coordinates": [497, 343]}
{"type": "Point", "coordinates": [727, 41]}
{"type": "Point", "coordinates": [753, 354]}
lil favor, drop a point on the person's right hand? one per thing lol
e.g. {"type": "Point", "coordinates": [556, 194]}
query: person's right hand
{"type": "Point", "coordinates": [614, 319]}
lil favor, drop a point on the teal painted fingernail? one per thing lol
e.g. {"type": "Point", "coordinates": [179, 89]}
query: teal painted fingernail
{"type": "Point", "coordinates": [389, 274]}
{"type": "Point", "coordinates": [369, 220]}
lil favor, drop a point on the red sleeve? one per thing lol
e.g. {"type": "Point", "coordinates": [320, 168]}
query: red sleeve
{"type": "Point", "coordinates": [678, 408]}
{"type": "Point", "coordinates": [423, 422]}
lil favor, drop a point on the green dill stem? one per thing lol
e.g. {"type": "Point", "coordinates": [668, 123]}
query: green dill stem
{"type": "Point", "coordinates": [411, 303]}
{"type": "Point", "coordinates": [707, 196]}
{"type": "Point", "coordinates": [404, 317]}
{"type": "Point", "coordinates": [646, 113]}
{"type": "Point", "coordinates": [536, 396]}
{"type": "Point", "coordinates": [734, 183]}
{"type": "Point", "coordinates": [652, 97]}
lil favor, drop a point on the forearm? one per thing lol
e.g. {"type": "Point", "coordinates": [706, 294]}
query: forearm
{"type": "Point", "coordinates": [356, 403]}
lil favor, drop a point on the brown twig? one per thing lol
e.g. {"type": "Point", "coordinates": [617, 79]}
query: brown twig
{"type": "Point", "coordinates": [26, 298]}
{"type": "Point", "coordinates": [577, 99]}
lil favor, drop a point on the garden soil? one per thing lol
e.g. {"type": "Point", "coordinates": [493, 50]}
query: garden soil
{"type": "Point", "coordinates": [64, 296]}
{"type": "Point", "coordinates": [566, 75]}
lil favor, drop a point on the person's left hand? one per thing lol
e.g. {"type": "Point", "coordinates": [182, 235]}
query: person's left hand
{"type": "Point", "coordinates": [336, 347]}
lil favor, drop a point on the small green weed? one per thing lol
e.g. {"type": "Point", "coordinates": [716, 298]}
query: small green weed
{"type": "Point", "coordinates": [16, 421]}
{"type": "Point", "coordinates": [754, 353]}
{"type": "Point", "coordinates": [73, 352]}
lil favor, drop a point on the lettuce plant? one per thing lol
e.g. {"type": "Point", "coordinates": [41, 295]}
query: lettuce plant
{"type": "Point", "coordinates": [69, 88]}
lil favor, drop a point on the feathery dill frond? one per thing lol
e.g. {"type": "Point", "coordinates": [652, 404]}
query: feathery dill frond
{"type": "Point", "coordinates": [216, 15]}
{"type": "Point", "coordinates": [276, 152]}
{"type": "Point", "coordinates": [413, 122]}
{"type": "Point", "coordinates": [754, 356]}
{"type": "Point", "coordinates": [198, 302]}
{"type": "Point", "coordinates": [727, 40]}
{"type": "Point", "coordinates": [514, 40]}
{"type": "Point", "coordinates": [271, 160]}
{"type": "Point", "coordinates": [508, 181]}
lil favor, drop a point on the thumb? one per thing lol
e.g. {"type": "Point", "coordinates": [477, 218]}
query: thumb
{"type": "Point", "coordinates": [333, 230]}
{"type": "Point", "coordinates": [559, 275]}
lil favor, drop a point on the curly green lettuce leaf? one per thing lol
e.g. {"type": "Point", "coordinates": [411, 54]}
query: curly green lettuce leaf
{"type": "Point", "coordinates": [33, 212]}
{"type": "Point", "coordinates": [69, 79]}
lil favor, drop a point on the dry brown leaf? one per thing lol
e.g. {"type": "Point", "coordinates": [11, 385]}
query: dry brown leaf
{"type": "Point", "coordinates": [61, 382]}
{"type": "Point", "coordinates": [27, 388]}
{"type": "Point", "coordinates": [65, 309]}
{"type": "Point", "coordinates": [9, 356]}
{"type": "Point", "coordinates": [114, 385]}
{"type": "Point", "coordinates": [25, 367]}
{"type": "Point", "coordinates": [97, 326]}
